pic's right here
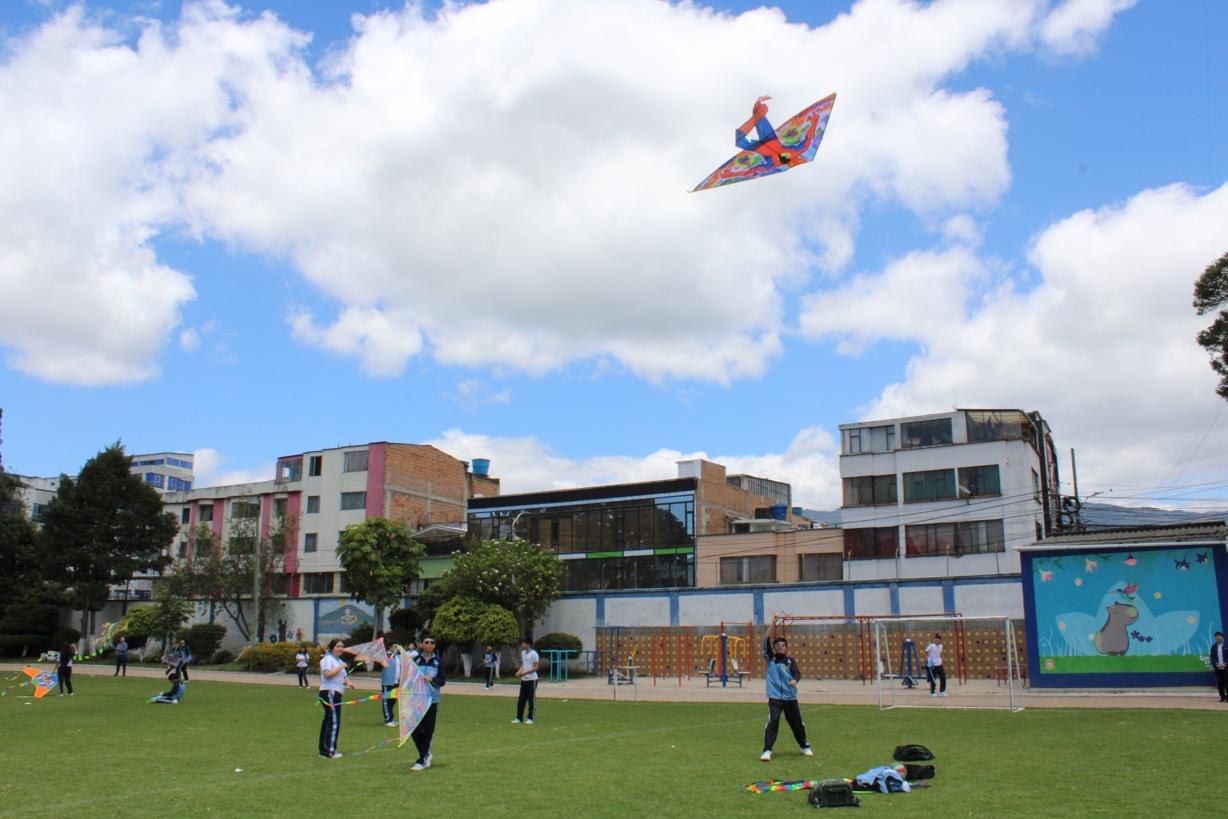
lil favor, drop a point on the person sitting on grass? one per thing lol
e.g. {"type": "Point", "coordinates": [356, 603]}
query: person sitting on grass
{"type": "Point", "coordinates": [782, 675]}
{"type": "Point", "coordinates": [175, 693]}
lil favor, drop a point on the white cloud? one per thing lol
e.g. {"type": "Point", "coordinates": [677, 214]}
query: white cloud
{"type": "Point", "coordinates": [502, 184]}
{"type": "Point", "coordinates": [1075, 26]}
{"type": "Point", "coordinates": [472, 393]}
{"type": "Point", "coordinates": [209, 470]}
{"type": "Point", "coordinates": [527, 464]}
{"type": "Point", "coordinates": [1103, 346]}
{"type": "Point", "coordinates": [189, 339]}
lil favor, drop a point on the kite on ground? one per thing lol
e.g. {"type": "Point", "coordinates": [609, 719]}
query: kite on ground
{"type": "Point", "coordinates": [43, 681]}
{"type": "Point", "coordinates": [413, 697]}
{"type": "Point", "coordinates": [370, 653]}
{"type": "Point", "coordinates": [773, 151]}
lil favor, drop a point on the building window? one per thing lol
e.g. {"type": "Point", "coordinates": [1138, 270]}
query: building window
{"type": "Point", "coordinates": [355, 461]}
{"type": "Point", "coordinates": [291, 470]}
{"type": "Point", "coordinates": [871, 543]}
{"type": "Point", "coordinates": [318, 583]}
{"type": "Point", "coordinates": [1035, 486]}
{"type": "Point", "coordinates": [204, 513]}
{"type": "Point", "coordinates": [279, 507]}
{"type": "Point", "coordinates": [929, 539]}
{"type": "Point", "coordinates": [820, 567]}
{"type": "Point", "coordinates": [154, 479]}
{"type": "Point", "coordinates": [242, 544]}
{"type": "Point", "coordinates": [926, 433]}
{"type": "Point", "coordinates": [869, 439]}
{"type": "Point", "coordinates": [36, 511]}
{"type": "Point", "coordinates": [311, 542]}
{"type": "Point", "coordinates": [931, 485]}
{"type": "Point", "coordinates": [999, 425]}
{"type": "Point", "coordinates": [353, 500]}
{"type": "Point", "coordinates": [179, 463]}
{"type": "Point", "coordinates": [869, 490]}
{"type": "Point", "coordinates": [244, 509]}
{"type": "Point", "coordinates": [1040, 532]}
{"type": "Point", "coordinates": [185, 515]}
{"type": "Point", "coordinates": [343, 587]}
{"type": "Point", "coordinates": [760, 569]}
{"type": "Point", "coordinates": [313, 504]}
{"type": "Point", "coordinates": [981, 536]}
{"type": "Point", "coordinates": [174, 484]}
{"type": "Point", "coordinates": [315, 466]}
{"type": "Point", "coordinates": [183, 549]}
{"type": "Point", "coordinates": [978, 481]}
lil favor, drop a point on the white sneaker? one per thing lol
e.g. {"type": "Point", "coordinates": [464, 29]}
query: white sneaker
{"type": "Point", "coordinates": [390, 725]}
{"type": "Point", "coordinates": [335, 755]}
{"type": "Point", "coordinates": [528, 722]}
{"type": "Point", "coordinates": [807, 751]}
{"type": "Point", "coordinates": [932, 694]}
{"type": "Point", "coordinates": [418, 766]}
{"type": "Point", "coordinates": [516, 721]}
{"type": "Point", "coordinates": [429, 759]}
{"type": "Point", "coordinates": [766, 756]}
{"type": "Point", "coordinates": [942, 693]}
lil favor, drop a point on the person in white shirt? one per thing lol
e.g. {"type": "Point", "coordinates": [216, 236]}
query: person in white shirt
{"type": "Point", "coordinates": [333, 682]}
{"type": "Point", "coordinates": [527, 673]}
{"type": "Point", "coordinates": [933, 667]}
{"type": "Point", "coordinates": [301, 661]}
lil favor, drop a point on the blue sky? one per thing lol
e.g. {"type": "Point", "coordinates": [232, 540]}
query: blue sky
{"type": "Point", "coordinates": [1009, 209]}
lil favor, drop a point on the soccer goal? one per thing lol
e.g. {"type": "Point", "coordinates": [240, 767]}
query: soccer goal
{"type": "Point", "coordinates": [980, 658]}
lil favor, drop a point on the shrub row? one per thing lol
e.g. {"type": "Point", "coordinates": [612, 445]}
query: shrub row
{"type": "Point", "coordinates": [279, 656]}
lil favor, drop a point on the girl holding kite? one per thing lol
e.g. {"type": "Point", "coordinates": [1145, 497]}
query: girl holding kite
{"type": "Point", "coordinates": [333, 682]}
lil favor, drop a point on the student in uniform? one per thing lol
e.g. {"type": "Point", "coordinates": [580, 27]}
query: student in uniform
{"type": "Point", "coordinates": [529, 660]}
{"type": "Point", "coordinates": [933, 667]}
{"type": "Point", "coordinates": [430, 666]}
{"type": "Point", "coordinates": [64, 672]}
{"type": "Point", "coordinates": [489, 661]}
{"type": "Point", "coordinates": [333, 682]}
{"type": "Point", "coordinates": [301, 660]}
{"type": "Point", "coordinates": [782, 675]}
{"type": "Point", "coordinates": [389, 678]}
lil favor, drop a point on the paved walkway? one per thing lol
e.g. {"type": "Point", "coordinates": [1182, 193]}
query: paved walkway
{"type": "Point", "coordinates": [976, 693]}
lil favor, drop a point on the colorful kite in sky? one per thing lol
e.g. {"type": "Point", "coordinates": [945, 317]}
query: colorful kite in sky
{"type": "Point", "coordinates": [795, 143]}
{"type": "Point", "coordinates": [413, 697]}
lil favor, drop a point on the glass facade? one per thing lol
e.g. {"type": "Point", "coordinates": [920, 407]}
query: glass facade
{"type": "Point", "coordinates": [926, 433]}
{"type": "Point", "coordinates": [620, 543]}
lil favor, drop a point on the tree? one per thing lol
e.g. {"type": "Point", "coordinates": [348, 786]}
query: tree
{"type": "Point", "coordinates": [17, 553]}
{"type": "Point", "coordinates": [240, 576]}
{"type": "Point", "coordinates": [102, 528]}
{"type": "Point", "coordinates": [464, 620]}
{"type": "Point", "coordinates": [517, 574]}
{"type": "Point", "coordinates": [1211, 292]}
{"type": "Point", "coordinates": [380, 559]}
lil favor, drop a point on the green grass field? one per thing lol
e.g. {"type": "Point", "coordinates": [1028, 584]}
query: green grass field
{"type": "Point", "coordinates": [105, 752]}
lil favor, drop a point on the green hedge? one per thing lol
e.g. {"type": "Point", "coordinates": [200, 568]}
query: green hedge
{"type": "Point", "coordinates": [279, 656]}
{"type": "Point", "coordinates": [203, 639]}
{"type": "Point", "coordinates": [24, 645]}
{"type": "Point", "coordinates": [559, 641]}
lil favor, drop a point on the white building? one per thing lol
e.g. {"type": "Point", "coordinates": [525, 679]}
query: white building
{"type": "Point", "coordinates": [165, 471]}
{"type": "Point", "coordinates": [945, 495]}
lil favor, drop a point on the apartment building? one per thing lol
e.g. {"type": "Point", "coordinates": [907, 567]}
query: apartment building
{"type": "Point", "coordinates": [945, 495]}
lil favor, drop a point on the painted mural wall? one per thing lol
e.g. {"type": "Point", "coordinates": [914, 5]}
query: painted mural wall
{"type": "Point", "coordinates": [1141, 613]}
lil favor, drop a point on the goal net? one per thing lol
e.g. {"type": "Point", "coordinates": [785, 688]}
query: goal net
{"type": "Point", "coordinates": [981, 659]}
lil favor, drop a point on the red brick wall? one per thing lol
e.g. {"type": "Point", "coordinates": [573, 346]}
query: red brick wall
{"type": "Point", "coordinates": [423, 485]}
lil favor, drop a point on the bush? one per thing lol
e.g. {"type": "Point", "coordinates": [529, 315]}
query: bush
{"type": "Point", "coordinates": [398, 636]}
{"type": "Point", "coordinates": [405, 620]}
{"type": "Point", "coordinates": [222, 656]}
{"type": "Point", "coordinates": [66, 635]}
{"type": "Point", "coordinates": [361, 633]}
{"type": "Point", "coordinates": [23, 645]}
{"type": "Point", "coordinates": [203, 638]}
{"type": "Point", "coordinates": [559, 640]}
{"type": "Point", "coordinates": [278, 656]}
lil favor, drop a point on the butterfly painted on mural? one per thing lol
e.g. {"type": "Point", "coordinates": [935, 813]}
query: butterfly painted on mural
{"type": "Point", "coordinates": [1182, 564]}
{"type": "Point", "coordinates": [1201, 557]}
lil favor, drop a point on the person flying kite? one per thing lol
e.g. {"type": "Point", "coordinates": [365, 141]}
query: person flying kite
{"type": "Point", "coordinates": [772, 151]}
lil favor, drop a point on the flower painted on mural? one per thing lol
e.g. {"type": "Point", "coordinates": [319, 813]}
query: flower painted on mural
{"type": "Point", "coordinates": [1130, 561]}
{"type": "Point", "coordinates": [1050, 664]}
{"type": "Point", "coordinates": [1130, 589]}
{"type": "Point", "coordinates": [1046, 576]}
{"type": "Point", "coordinates": [1061, 625]}
{"type": "Point", "coordinates": [1157, 595]}
{"type": "Point", "coordinates": [1078, 581]}
{"type": "Point", "coordinates": [1090, 565]}
{"type": "Point", "coordinates": [1191, 619]}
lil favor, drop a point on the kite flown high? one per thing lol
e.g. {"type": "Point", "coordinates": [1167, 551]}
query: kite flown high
{"type": "Point", "coordinates": [795, 143]}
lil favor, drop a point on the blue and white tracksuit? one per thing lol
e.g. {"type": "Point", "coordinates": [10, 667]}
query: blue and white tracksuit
{"type": "Point", "coordinates": [331, 691]}
{"type": "Point", "coordinates": [388, 680]}
{"type": "Point", "coordinates": [432, 669]}
{"type": "Point", "coordinates": [782, 697]}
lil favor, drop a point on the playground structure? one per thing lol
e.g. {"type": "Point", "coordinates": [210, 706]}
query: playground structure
{"type": "Point", "coordinates": [833, 647]}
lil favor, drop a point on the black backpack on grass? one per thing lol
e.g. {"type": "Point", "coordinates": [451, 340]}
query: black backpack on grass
{"type": "Point", "coordinates": [834, 793]}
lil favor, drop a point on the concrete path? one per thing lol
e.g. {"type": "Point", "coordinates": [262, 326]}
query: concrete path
{"type": "Point", "coordinates": [976, 693]}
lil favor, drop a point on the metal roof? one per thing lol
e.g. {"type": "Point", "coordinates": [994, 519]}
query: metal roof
{"type": "Point", "coordinates": [1134, 535]}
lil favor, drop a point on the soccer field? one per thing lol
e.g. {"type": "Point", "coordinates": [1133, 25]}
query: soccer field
{"type": "Point", "coordinates": [105, 752]}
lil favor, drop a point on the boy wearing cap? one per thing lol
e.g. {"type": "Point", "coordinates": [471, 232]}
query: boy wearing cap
{"type": "Point", "coordinates": [782, 675]}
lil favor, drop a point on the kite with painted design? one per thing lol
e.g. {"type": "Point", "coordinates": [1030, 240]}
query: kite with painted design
{"type": "Point", "coordinates": [413, 697]}
{"type": "Point", "coordinates": [774, 150]}
{"type": "Point", "coordinates": [44, 682]}
{"type": "Point", "coordinates": [370, 653]}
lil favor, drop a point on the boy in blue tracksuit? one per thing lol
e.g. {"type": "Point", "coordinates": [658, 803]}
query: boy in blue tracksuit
{"type": "Point", "coordinates": [431, 668]}
{"type": "Point", "coordinates": [782, 675]}
{"type": "Point", "coordinates": [388, 681]}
